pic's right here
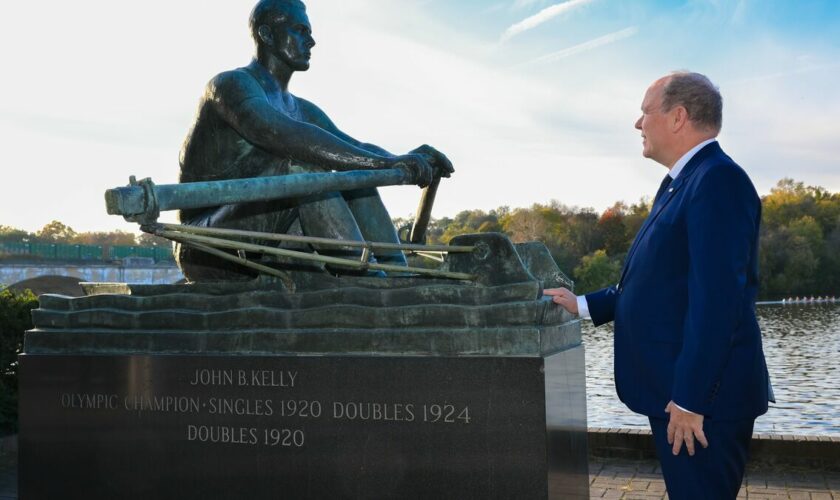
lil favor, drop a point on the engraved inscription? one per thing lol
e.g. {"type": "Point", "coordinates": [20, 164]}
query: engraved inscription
{"type": "Point", "coordinates": [240, 420]}
{"type": "Point", "coordinates": [446, 413]}
{"type": "Point", "coordinates": [301, 408]}
{"type": "Point", "coordinates": [89, 401]}
{"type": "Point", "coordinates": [222, 406]}
{"type": "Point", "coordinates": [395, 412]}
{"type": "Point", "coordinates": [246, 435]}
{"type": "Point", "coordinates": [244, 378]}
{"type": "Point", "coordinates": [173, 404]}
{"type": "Point", "coordinates": [222, 434]}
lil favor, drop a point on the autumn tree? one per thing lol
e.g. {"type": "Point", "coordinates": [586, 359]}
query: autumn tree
{"type": "Point", "coordinates": [525, 224]}
{"type": "Point", "coordinates": [613, 229]}
{"type": "Point", "coordinates": [151, 240]}
{"type": "Point", "coordinates": [56, 232]}
{"type": "Point", "coordinates": [102, 238]}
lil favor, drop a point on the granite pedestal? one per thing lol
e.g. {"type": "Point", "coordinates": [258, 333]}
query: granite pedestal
{"type": "Point", "coordinates": [372, 389]}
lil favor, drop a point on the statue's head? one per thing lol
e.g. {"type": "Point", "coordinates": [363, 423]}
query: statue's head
{"type": "Point", "coordinates": [281, 28]}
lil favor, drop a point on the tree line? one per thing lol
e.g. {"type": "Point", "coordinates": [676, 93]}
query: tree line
{"type": "Point", "coordinates": [799, 246]}
{"type": "Point", "coordinates": [58, 232]}
{"type": "Point", "coordinates": [799, 238]}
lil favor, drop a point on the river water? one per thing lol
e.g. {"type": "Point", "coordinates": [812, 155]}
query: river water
{"type": "Point", "coordinates": [802, 347]}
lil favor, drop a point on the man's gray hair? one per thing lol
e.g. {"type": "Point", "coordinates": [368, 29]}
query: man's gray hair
{"type": "Point", "coordinates": [270, 11]}
{"type": "Point", "coordinates": [698, 95]}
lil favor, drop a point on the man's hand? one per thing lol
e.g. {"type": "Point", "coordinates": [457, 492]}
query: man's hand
{"type": "Point", "coordinates": [417, 166]}
{"type": "Point", "coordinates": [683, 428]}
{"type": "Point", "coordinates": [443, 167]}
{"type": "Point", "coordinates": [564, 297]}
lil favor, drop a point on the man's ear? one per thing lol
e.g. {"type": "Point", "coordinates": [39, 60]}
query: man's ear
{"type": "Point", "coordinates": [679, 118]}
{"type": "Point", "coordinates": [264, 32]}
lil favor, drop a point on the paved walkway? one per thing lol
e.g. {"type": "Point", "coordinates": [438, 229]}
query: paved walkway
{"type": "Point", "coordinates": [630, 479]}
{"type": "Point", "coordinates": [642, 479]}
{"type": "Point", "coordinates": [8, 477]}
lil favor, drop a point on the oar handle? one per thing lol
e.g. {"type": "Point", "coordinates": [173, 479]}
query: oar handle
{"type": "Point", "coordinates": [424, 212]}
{"type": "Point", "coordinates": [142, 201]}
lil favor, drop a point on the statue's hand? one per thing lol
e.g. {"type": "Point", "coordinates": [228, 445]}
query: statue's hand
{"type": "Point", "coordinates": [417, 167]}
{"type": "Point", "coordinates": [443, 167]}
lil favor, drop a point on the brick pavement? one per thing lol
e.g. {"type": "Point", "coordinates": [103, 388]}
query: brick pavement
{"type": "Point", "coordinates": [642, 479]}
{"type": "Point", "coordinates": [631, 479]}
{"type": "Point", "coordinates": [8, 476]}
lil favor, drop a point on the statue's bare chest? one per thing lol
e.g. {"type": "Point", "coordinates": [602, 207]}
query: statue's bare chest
{"type": "Point", "coordinates": [286, 104]}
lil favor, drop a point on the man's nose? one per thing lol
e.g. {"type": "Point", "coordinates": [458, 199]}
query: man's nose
{"type": "Point", "coordinates": [638, 124]}
{"type": "Point", "coordinates": [310, 42]}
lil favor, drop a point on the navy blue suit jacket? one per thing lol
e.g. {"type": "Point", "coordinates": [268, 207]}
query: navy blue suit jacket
{"type": "Point", "coordinates": [684, 310]}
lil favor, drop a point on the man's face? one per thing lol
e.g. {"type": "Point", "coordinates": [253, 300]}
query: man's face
{"type": "Point", "coordinates": [293, 40]}
{"type": "Point", "coordinates": [653, 124]}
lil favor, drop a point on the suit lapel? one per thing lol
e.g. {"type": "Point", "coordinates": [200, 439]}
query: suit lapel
{"type": "Point", "coordinates": [666, 197]}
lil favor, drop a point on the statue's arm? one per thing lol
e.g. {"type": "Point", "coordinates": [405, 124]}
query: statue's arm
{"type": "Point", "coordinates": [316, 116]}
{"type": "Point", "coordinates": [242, 103]}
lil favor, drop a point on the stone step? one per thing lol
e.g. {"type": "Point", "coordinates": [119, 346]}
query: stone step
{"type": "Point", "coordinates": [356, 296]}
{"type": "Point", "coordinates": [531, 313]}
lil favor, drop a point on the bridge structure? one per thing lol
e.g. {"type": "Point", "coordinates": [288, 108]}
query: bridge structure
{"type": "Point", "coordinates": [138, 271]}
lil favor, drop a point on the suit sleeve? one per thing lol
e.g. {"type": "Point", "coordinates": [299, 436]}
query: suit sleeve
{"type": "Point", "coordinates": [721, 220]}
{"type": "Point", "coordinates": [601, 305]}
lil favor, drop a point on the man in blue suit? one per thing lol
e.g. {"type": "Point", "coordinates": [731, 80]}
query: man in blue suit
{"type": "Point", "coordinates": [688, 348]}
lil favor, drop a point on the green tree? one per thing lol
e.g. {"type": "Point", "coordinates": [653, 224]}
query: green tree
{"type": "Point", "coordinates": [799, 241]}
{"type": "Point", "coordinates": [15, 319]}
{"type": "Point", "coordinates": [788, 264]}
{"type": "Point", "coordinates": [636, 215]}
{"type": "Point", "coordinates": [828, 278]}
{"type": "Point", "coordinates": [13, 234]}
{"type": "Point", "coordinates": [471, 221]}
{"type": "Point", "coordinates": [596, 271]}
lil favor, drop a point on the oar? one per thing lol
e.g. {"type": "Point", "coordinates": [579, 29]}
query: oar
{"type": "Point", "coordinates": [142, 201]}
{"type": "Point", "coordinates": [424, 212]}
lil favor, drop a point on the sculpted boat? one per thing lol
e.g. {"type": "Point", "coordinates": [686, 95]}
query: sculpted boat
{"type": "Point", "coordinates": [485, 297]}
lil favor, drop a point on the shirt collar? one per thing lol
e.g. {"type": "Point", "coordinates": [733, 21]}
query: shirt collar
{"type": "Point", "coordinates": [677, 168]}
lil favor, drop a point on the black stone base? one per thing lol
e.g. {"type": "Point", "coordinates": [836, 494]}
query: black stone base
{"type": "Point", "coordinates": [302, 427]}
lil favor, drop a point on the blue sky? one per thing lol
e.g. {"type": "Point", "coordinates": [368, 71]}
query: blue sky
{"type": "Point", "coordinates": [533, 100]}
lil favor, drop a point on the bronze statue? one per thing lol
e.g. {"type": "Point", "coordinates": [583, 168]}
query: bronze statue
{"type": "Point", "coordinates": [249, 125]}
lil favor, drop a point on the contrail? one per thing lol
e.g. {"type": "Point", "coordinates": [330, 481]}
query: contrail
{"type": "Point", "coordinates": [783, 74]}
{"type": "Point", "coordinates": [585, 46]}
{"type": "Point", "coordinates": [540, 17]}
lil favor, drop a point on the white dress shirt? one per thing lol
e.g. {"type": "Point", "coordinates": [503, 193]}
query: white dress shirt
{"type": "Point", "coordinates": [583, 306]}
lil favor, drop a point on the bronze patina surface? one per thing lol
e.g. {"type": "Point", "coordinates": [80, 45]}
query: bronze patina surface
{"type": "Point", "coordinates": [502, 312]}
{"type": "Point", "coordinates": [250, 125]}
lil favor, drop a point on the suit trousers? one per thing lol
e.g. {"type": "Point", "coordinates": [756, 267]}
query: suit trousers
{"type": "Point", "coordinates": [713, 473]}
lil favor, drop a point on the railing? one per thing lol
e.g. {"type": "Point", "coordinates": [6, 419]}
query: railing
{"type": "Point", "coordinates": [63, 251]}
{"type": "Point", "coordinates": [158, 254]}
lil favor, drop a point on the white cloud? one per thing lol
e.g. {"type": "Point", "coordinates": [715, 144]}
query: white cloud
{"type": "Point", "coordinates": [523, 4]}
{"type": "Point", "coordinates": [541, 17]}
{"type": "Point", "coordinates": [118, 102]}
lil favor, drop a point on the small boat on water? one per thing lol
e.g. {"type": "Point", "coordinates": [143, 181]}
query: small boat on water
{"type": "Point", "coordinates": [803, 300]}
